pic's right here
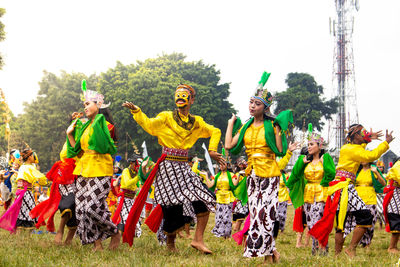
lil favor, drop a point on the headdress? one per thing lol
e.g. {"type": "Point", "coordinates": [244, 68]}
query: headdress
{"type": "Point", "coordinates": [358, 128]}
{"type": "Point", "coordinates": [314, 137]}
{"type": "Point", "coordinates": [262, 94]}
{"type": "Point", "coordinates": [380, 163]}
{"type": "Point", "coordinates": [187, 87]}
{"type": "Point", "coordinates": [90, 95]}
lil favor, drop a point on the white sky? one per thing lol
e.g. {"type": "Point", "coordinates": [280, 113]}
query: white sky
{"type": "Point", "coordinates": [242, 38]}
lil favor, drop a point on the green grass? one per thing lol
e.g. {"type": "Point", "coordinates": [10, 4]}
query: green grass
{"type": "Point", "coordinates": [39, 250]}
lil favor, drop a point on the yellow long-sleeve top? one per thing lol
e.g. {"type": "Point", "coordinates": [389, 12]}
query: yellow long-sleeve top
{"type": "Point", "coordinates": [224, 193]}
{"type": "Point", "coordinates": [314, 191]}
{"type": "Point", "coordinates": [283, 193]}
{"type": "Point", "coordinates": [351, 155]}
{"type": "Point", "coordinates": [92, 163]}
{"type": "Point", "coordinates": [29, 173]}
{"type": "Point", "coordinates": [394, 173]}
{"type": "Point", "coordinates": [171, 135]}
{"type": "Point", "coordinates": [195, 169]}
{"type": "Point", "coordinates": [127, 181]}
{"type": "Point", "coordinates": [260, 157]}
{"type": "Point", "coordinates": [364, 187]}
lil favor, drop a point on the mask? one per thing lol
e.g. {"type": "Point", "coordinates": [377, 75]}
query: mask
{"type": "Point", "coordinates": [182, 96]}
{"type": "Point", "coordinates": [366, 135]}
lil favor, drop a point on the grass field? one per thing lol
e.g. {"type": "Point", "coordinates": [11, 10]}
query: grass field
{"type": "Point", "coordinates": [39, 250]}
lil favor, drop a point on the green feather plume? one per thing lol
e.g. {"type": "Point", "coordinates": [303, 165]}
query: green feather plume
{"type": "Point", "coordinates": [264, 78]}
{"type": "Point", "coordinates": [310, 128]}
{"type": "Point", "coordinates": [83, 85]}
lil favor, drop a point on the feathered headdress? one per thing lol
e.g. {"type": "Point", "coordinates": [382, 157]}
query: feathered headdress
{"type": "Point", "coordinates": [90, 95]}
{"type": "Point", "coordinates": [261, 93]}
{"type": "Point", "coordinates": [314, 137]}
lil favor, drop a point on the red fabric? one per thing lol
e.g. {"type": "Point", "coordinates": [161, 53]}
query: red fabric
{"type": "Point", "coordinates": [60, 173]}
{"type": "Point", "coordinates": [388, 191]}
{"type": "Point", "coordinates": [324, 226]}
{"type": "Point", "coordinates": [111, 130]}
{"type": "Point", "coordinates": [134, 214]}
{"type": "Point", "coordinates": [298, 220]}
{"type": "Point", "coordinates": [155, 218]}
{"type": "Point", "coordinates": [116, 218]}
{"type": "Point", "coordinates": [47, 209]}
{"type": "Point", "coordinates": [149, 207]}
{"type": "Point", "coordinates": [234, 204]}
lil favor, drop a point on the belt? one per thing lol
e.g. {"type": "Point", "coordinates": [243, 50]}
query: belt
{"type": "Point", "coordinates": [346, 174]}
{"type": "Point", "coordinates": [363, 185]}
{"type": "Point", "coordinates": [177, 158]}
{"type": "Point", "coordinates": [28, 188]}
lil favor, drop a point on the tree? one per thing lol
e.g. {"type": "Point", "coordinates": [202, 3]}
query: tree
{"type": "Point", "coordinates": [305, 97]}
{"type": "Point", "coordinates": [151, 85]}
{"type": "Point", "coordinates": [2, 34]}
{"type": "Point", "coordinates": [44, 121]}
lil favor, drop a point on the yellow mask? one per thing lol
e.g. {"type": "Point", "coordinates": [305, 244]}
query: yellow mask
{"type": "Point", "coordinates": [182, 97]}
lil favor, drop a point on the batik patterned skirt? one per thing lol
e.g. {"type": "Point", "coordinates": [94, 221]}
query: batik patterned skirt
{"type": "Point", "coordinates": [223, 220]}
{"type": "Point", "coordinates": [177, 184]}
{"type": "Point", "coordinates": [263, 202]}
{"type": "Point", "coordinates": [313, 213]}
{"type": "Point", "coordinates": [379, 208]}
{"type": "Point", "coordinates": [282, 210]}
{"type": "Point", "coordinates": [126, 208]}
{"type": "Point", "coordinates": [28, 203]}
{"type": "Point", "coordinates": [92, 213]}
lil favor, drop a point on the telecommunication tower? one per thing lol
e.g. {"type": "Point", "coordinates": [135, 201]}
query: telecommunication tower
{"type": "Point", "coordinates": [343, 78]}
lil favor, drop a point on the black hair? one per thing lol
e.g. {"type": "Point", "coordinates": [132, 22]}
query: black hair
{"type": "Point", "coordinates": [107, 114]}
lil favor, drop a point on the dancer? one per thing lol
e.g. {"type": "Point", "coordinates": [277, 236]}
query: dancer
{"type": "Point", "coordinates": [369, 182]}
{"type": "Point", "coordinates": [240, 210]}
{"type": "Point", "coordinates": [17, 216]}
{"type": "Point", "coordinates": [344, 198]}
{"type": "Point", "coordinates": [129, 181]}
{"type": "Point", "coordinates": [283, 193]}
{"type": "Point", "coordinates": [224, 183]}
{"type": "Point", "coordinates": [94, 171]}
{"type": "Point", "coordinates": [178, 190]}
{"type": "Point", "coordinates": [264, 138]}
{"type": "Point", "coordinates": [380, 218]}
{"type": "Point", "coordinates": [309, 180]}
{"type": "Point", "coordinates": [392, 206]}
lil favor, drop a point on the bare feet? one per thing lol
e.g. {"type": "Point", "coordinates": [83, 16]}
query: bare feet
{"type": "Point", "coordinates": [171, 243]}
{"type": "Point", "coordinates": [98, 246]}
{"type": "Point", "coordinates": [59, 237]}
{"type": "Point", "coordinates": [393, 250]}
{"type": "Point", "coordinates": [276, 256]}
{"type": "Point", "coordinates": [70, 237]}
{"type": "Point", "coordinates": [350, 252]}
{"type": "Point", "coordinates": [299, 245]}
{"type": "Point", "coordinates": [115, 240]}
{"type": "Point", "coordinates": [201, 247]}
{"type": "Point", "coordinates": [268, 259]}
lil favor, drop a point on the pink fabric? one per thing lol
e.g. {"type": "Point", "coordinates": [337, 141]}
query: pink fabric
{"type": "Point", "coordinates": [238, 237]}
{"type": "Point", "coordinates": [9, 219]}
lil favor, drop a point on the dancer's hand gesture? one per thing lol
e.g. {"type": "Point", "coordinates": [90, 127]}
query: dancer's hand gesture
{"type": "Point", "coordinates": [389, 137]}
{"type": "Point", "coordinates": [375, 136]}
{"type": "Point", "coordinates": [130, 105]}
{"type": "Point", "coordinates": [293, 146]}
{"type": "Point", "coordinates": [217, 157]}
{"type": "Point", "coordinates": [232, 119]}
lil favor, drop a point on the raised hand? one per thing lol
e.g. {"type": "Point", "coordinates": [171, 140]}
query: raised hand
{"type": "Point", "coordinates": [232, 119]}
{"type": "Point", "coordinates": [217, 157]}
{"type": "Point", "coordinates": [375, 136]}
{"type": "Point", "coordinates": [130, 105]}
{"type": "Point", "coordinates": [293, 146]}
{"type": "Point", "coordinates": [389, 136]}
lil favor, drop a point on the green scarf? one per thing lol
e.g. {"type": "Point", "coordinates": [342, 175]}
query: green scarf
{"type": "Point", "coordinates": [231, 185]}
{"type": "Point", "coordinates": [375, 183]}
{"type": "Point", "coordinates": [239, 191]}
{"type": "Point", "coordinates": [99, 141]}
{"type": "Point", "coordinates": [283, 119]}
{"type": "Point", "coordinates": [143, 177]}
{"type": "Point", "coordinates": [297, 182]}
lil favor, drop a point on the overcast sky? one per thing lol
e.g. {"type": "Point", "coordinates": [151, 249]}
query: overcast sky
{"type": "Point", "coordinates": [242, 38]}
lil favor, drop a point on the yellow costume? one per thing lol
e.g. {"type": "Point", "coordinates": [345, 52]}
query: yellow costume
{"type": "Point", "coordinates": [283, 193]}
{"type": "Point", "coordinates": [261, 159]}
{"type": "Point", "coordinates": [224, 193]}
{"type": "Point", "coordinates": [171, 135]}
{"type": "Point", "coordinates": [127, 181]}
{"type": "Point", "coordinates": [364, 187]}
{"type": "Point", "coordinates": [30, 174]}
{"type": "Point", "coordinates": [313, 190]}
{"type": "Point", "coordinates": [92, 163]}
